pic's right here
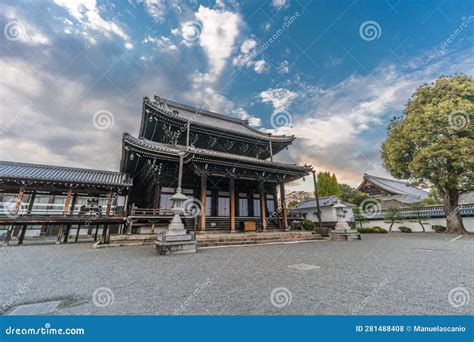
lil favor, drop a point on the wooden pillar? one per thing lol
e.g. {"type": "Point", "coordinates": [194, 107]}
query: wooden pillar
{"type": "Point", "coordinates": [156, 196]}
{"type": "Point", "coordinates": [96, 233]}
{"type": "Point", "coordinates": [202, 221]}
{"type": "Point", "coordinates": [103, 240]}
{"type": "Point", "coordinates": [30, 209]}
{"type": "Point", "coordinates": [250, 204]}
{"type": "Point", "coordinates": [14, 212]}
{"type": "Point", "coordinates": [263, 207]}
{"type": "Point", "coordinates": [65, 212]}
{"type": "Point", "coordinates": [71, 212]}
{"type": "Point", "coordinates": [77, 233]}
{"type": "Point", "coordinates": [232, 203]}
{"type": "Point", "coordinates": [284, 211]}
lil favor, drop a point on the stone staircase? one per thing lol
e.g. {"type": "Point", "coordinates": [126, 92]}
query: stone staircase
{"type": "Point", "coordinates": [236, 239]}
{"type": "Point", "coordinates": [220, 239]}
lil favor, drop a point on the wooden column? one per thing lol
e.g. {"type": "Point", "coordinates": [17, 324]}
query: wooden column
{"type": "Point", "coordinates": [30, 209]}
{"type": "Point", "coordinates": [71, 212]}
{"type": "Point", "coordinates": [103, 240]}
{"type": "Point", "coordinates": [157, 195]}
{"type": "Point", "coordinates": [77, 233]}
{"type": "Point", "coordinates": [202, 221]}
{"type": "Point", "coordinates": [65, 212]}
{"type": "Point", "coordinates": [284, 211]}
{"type": "Point", "coordinates": [232, 203]}
{"type": "Point", "coordinates": [263, 207]}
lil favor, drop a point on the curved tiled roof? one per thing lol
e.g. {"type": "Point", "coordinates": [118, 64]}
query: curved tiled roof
{"type": "Point", "coordinates": [176, 149]}
{"type": "Point", "coordinates": [50, 173]}
{"type": "Point", "coordinates": [213, 120]}
{"type": "Point", "coordinates": [396, 186]}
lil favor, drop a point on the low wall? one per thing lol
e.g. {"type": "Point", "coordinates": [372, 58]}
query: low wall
{"type": "Point", "coordinates": [468, 224]}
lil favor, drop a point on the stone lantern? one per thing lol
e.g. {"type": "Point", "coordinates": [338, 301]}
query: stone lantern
{"type": "Point", "coordinates": [175, 240]}
{"type": "Point", "coordinates": [343, 231]}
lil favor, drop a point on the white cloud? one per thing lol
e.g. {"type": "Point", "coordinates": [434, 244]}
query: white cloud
{"type": "Point", "coordinates": [220, 30]}
{"type": "Point", "coordinates": [247, 57]}
{"type": "Point", "coordinates": [156, 9]}
{"type": "Point", "coordinates": [279, 4]}
{"type": "Point", "coordinates": [280, 98]}
{"type": "Point", "coordinates": [87, 14]}
{"type": "Point", "coordinates": [260, 66]}
{"type": "Point", "coordinates": [17, 28]}
{"type": "Point", "coordinates": [161, 42]}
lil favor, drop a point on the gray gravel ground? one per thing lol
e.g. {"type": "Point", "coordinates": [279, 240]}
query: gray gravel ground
{"type": "Point", "coordinates": [392, 274]}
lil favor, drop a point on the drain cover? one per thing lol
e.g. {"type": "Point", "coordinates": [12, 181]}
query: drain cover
{"type": "Point", "coordinates": [304, 267]}
{"type": "Point", "coordinates": [35, 309]}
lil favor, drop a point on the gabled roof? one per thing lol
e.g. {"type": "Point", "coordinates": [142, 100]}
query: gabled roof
{"type": "Point", "coordinates": [323, 202]}
{"type": "Point", "coordinates": [206, 118]}
{"type": "Point", "coordinates": [50, 173]}
{"type": "Point", "coordinates": [176, 149]}
{"type": "Point", "coordinates": [395, 186]}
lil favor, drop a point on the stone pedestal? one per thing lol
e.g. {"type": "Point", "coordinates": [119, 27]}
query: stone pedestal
{"type": "Point", "coordinates": [176, 244]}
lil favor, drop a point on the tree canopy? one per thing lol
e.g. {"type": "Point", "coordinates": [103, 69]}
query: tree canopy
{"type": "Point", "coordinates": [433, 142]}
{"type": "Point", "coordinates": [327, 185]}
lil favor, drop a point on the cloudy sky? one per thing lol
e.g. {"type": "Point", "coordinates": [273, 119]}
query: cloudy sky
{"type": "Point", "coordinates": [74, 72]}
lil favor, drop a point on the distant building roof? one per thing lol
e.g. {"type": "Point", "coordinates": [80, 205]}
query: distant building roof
{"type": "Point", "coordinates": [323, 202]}
{"type": "Point", "coordinates": [50, 173]}
{"type": "Point", "coordinates": [395, 186]}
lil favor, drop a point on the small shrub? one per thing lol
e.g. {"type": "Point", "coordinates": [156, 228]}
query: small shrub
{"type": "Point", "coordinates": [308, 225]}
{"type": "Point", "coordinates": [365, 230]}
{"type": "Point", "coordinates": [439, 228]}
{"type": "Point", "coordinates": [405, 229]}
{"type": "Point", "coordinates": [379, 230]}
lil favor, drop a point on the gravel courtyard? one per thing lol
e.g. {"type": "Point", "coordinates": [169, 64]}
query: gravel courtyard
{"type": "Point", "coordinates": [391, 274]}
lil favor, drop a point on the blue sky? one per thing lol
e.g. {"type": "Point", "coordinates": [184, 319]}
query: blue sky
{"type": "Point", "coordinates": [331, 72]}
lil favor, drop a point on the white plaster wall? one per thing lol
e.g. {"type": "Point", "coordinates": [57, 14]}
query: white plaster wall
{"type": "Point", "coordinates": [468, 224]}
{"type": "Point", "coordinates": [328, 214]}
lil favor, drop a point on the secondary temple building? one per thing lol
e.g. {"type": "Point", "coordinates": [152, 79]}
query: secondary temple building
{"type": "Point", "coordinates": [228, 174]}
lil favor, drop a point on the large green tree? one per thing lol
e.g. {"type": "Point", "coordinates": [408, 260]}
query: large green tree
{"type": "Point", "coordinates": [433, 142]}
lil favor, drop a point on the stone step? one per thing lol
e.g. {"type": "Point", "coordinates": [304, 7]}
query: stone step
{"type": "Point", "coordinates": [220, 239]}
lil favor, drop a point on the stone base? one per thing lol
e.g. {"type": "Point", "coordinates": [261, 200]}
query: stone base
{"type": "Point", "coordinates": [345, 235]}
{"type": "Point", "coordinates": [182, 245]}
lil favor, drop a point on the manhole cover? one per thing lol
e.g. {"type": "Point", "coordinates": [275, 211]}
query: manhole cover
{"type": "Point", "coordinates": [35, 309]}
{"type": "Point", "coordinates": [304, 267]}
